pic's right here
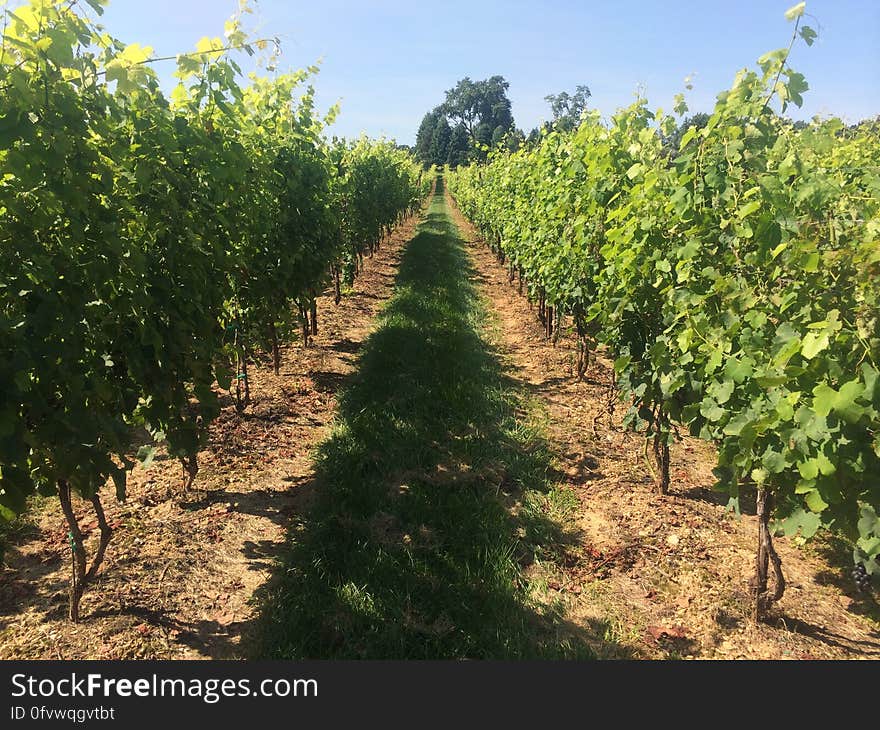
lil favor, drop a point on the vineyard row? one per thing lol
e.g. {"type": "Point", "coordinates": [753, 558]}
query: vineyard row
{"type": "Point", "coordinates": [150, 242]}
{"type": "Point", "coordinates": [734, 280]}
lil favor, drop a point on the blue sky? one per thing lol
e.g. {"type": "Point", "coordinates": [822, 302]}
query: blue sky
{"type": "Point", "coordinates": [390, 61]}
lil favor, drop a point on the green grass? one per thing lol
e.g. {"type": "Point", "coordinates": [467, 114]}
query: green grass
{"type": "Point", "coordinates": [429, 492]}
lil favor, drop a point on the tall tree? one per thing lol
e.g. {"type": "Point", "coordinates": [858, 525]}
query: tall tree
{"type": "Point", "coordinates": [567, 108]}
{"type": "Point", "coordinates": [425, 136]}
{"type": "Point", "coordinates": [481, 106]}
{"type": "Point", "coordinates": [440, 139]}
{"type": "Point", "coordinates": [459, 147]}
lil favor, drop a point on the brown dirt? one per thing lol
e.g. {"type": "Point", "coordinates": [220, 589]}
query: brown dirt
{"type": "Point", "coordinates": [648, 576]}
{"type": "Point", "coordinates": [181, 571]}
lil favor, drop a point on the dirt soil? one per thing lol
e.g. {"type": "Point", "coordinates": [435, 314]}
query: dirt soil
{"type": "Point", "coordinates": [647, 576]}
{"type": "Point", "coordinates": [181, 570]}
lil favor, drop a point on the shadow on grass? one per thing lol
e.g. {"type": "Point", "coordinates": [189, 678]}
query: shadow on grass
{"type": "Point", "coordinates": [426, 497]}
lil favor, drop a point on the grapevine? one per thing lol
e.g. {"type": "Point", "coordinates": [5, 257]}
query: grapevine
{"type": "Point", "coordinates": [734, 283]}
{"type": "Point", "coordinates": [150, 243]}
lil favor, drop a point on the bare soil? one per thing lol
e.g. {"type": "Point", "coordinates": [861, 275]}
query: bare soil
{"type": "Point", "coordinates": [647, 576]}
{"type": "Point", "coordinates": [182, 569]}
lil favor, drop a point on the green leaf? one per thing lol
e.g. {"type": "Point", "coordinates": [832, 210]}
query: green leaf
{"type": "Point", "coordinates": [813, 344]}
{"type": "Point", "coordinates": [778, 250]}
{"type": "Point", "coordinates": [810, 524]}
{"type": "Point", "coordinates": [785, 409]}
{"type": "Point", "coordinates": [773, 461]}
{"type": "Point", "coordinates": [736, 425]}
{"type": "Point", "coordinates": [687, 136]}
{"type": "Point", "coordinates": [714, 361]}
{"type": "Point", "coordinates": [738, 368]}
{"type": "Point", "coordinates": [634, 171]}
{"type": "Point", "coordinates": [223, 376]}
{"type": "Point", "coordinates": [826, 467]}
{"type": "Point", "coordinates": [748, 209]}
{"type": "Point", "coordinates": [868, 523]}
{"type": "Point", "coordinates": [796, 86]}
{"type": "Point", "coordinates": [823, 399]}
{"type": "Point", "coordinates": [808, 34]}
{"type": "Point", "coordinates": [815, 502]}
{"type": "Point", "coordinates": [116, 71]}
{"type": "Point", "coordinates": [870, 546]}
{"type": "Point", "coordinates": [845, 401]}
{"type": "Point", "coordinates": [711, 411]}
{"type": "Point", "coordinates": [146, 454]}
{"type": "Point", "coordinates": [722, 391]}
{"type": "Point", "coordinates": [872, 377]}
{"type": "Point", "coordinates": [97, 5]}
{"type": "Point", "coordinates": [681, 106]}
{"type": "Point", "coordinates": [808, 469]}
{"type": "Point", "coordinates": [684, 339]}
{"type": "Point", "coordinates": [135, 54]}
{"type": "Point", "coordinates": [807, 523]}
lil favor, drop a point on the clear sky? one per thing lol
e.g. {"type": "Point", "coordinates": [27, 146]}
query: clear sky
{"type": "Point", "coordinates": [390, 61]}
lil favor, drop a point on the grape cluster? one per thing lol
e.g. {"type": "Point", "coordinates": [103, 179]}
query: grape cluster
{"type": "Point", "coordinates": [861, 578]}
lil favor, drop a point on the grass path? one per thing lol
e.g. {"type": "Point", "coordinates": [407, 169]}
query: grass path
{"type": "Point", "coordinates": [433, 494]}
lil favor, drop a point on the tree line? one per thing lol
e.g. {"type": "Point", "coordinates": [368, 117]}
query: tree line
{"type": "Point", "coordinates": [477, 116]}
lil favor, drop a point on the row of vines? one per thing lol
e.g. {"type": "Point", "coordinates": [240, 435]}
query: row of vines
{"type": "Point", "coordinates": [734, 280]}
{"type": "Point", "coordinates": [149, 242]}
